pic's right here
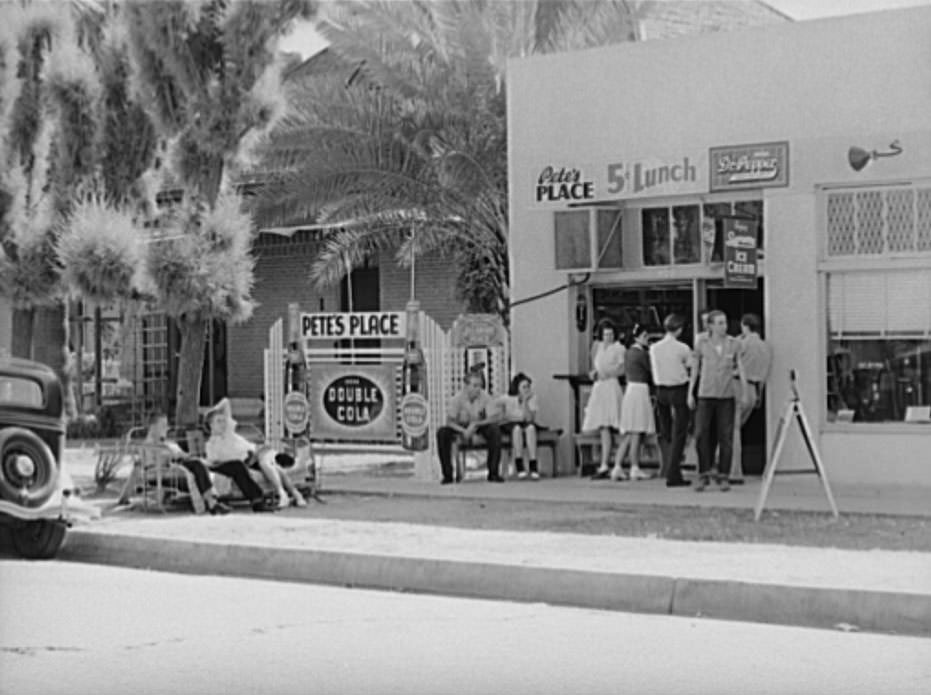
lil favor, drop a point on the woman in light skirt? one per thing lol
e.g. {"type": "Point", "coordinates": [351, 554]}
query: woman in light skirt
{"type": "Point", "coordinates": [636, 409]}
{"type": "Point", "coordinates": [603, 410]}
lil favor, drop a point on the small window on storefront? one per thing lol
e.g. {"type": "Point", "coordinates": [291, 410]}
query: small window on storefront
{"type": "Point", "coordinates": [610, 254]}
{"type": "Point", "coordinates": [879, 346]}
{"type": "Point", "coordinates": [671, 235]}
{"type": "Point", "coordinates": [573, 241]}
{"type": "Point", "coordinates": [655, 224]}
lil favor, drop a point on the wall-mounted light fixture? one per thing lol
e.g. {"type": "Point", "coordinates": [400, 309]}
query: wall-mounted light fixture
{"type": "Point", "coordinates": [859, 158]}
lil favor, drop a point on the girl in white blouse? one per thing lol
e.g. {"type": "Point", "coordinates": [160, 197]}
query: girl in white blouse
{"type": "Point", "coordinates": [603, 411]}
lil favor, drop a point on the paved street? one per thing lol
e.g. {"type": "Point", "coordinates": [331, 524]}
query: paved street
{"type": "Point", "coordinates": [69, 628]}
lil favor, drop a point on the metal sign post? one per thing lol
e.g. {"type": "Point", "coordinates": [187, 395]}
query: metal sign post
{"type": "Point", "coordinates": [793, 411]}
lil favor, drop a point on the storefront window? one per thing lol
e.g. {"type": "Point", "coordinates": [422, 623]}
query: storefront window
{"type": "Point", "coordinates": [573, 241]}
{"type": "Point", "coordinates": [609, 239]}
{"type": "Point", "coordinates": [655, 225]}
{"type": "Point", "coordinates": [879, 346]}
{"type": "Point", "coordinates": [686, 234]}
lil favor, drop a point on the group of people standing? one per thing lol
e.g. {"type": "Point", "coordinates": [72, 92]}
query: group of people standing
{"type": "Point", "coordinates": [721, 379]}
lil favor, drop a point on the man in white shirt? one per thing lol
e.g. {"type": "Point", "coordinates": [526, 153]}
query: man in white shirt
{"type": "Point", "coordinates": [225, 445]}
{"type": "Point", "coordinates": [670, 359]}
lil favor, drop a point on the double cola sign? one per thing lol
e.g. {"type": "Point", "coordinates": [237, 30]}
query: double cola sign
{"type": "Point", "coordinates": [353, 400]}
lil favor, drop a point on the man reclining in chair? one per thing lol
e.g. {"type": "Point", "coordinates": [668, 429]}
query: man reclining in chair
{"type": "Point", "coordinates": [225, 446]}
{"type": "Point", "coordinates": [236, 470]}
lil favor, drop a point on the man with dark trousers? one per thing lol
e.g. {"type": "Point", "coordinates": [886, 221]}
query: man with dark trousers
{"type": "Point", "coordinates": [471, 412]}
{"type": "Point", "coordinates": [715, 361]}
{"type": "Point", "coordinates": [670, 359]}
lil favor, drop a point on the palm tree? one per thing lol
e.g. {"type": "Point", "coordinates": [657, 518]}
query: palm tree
{"type": "Point", "coordinates": [207, 73]}
{"type": "Point", "coordinates": [406, 148]}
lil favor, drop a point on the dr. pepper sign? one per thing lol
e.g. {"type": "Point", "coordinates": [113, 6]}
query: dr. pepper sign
{"type": "Point", "coordinates": [353, 402]}
{"type": "Point", "coordinates": [740, 241]}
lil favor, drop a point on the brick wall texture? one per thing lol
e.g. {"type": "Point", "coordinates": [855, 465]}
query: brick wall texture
{"type": "Point", "coordinates": [671, 18]}
{"type": "Point", "coordinates": [282, 276]}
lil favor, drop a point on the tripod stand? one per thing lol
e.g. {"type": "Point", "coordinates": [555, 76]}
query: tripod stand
{"type": "Point", "coordinates": [794, 411]}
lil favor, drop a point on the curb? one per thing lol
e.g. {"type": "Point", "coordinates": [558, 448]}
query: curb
{"type": "Point", "coordinates": [877, 611]}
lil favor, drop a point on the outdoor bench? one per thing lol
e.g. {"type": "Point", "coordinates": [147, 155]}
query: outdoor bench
{"type": "Point", "coordinates": [546, 438]}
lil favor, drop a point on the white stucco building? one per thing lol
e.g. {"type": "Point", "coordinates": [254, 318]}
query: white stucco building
{"type": "Point", "coordinates": [628, 164]}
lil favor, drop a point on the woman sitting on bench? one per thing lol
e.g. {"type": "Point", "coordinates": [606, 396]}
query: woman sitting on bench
{"type": "Point", "coordinates": [520, 414]}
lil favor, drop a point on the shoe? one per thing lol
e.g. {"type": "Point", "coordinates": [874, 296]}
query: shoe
{"type": "Point", "coordinates": [299, 501]}
{"type": "Point", "coordinates": [446, 481]}
{"type": "Point", "coordinates": [637, 474]}
{"type": "Point", "coordinates": [283, 501]}
{"type": "Point", "coordinates": [522, 475]}
{"type": "Point", "coordinates": [736, 481]}
{"type": "Point", "coordinates": [724, 484]}
{"type": "Point", "coordinates": [495, 479]}
{"type": "Point", "coordinates": [601, 474]}
{"type": "Point", "coordinates": [534, 475]}
{"type": "Point", "coordinates": [702, 483]}
{"type": "Point", "coordinates": [681, 482]}
{"type": "Point", "coordinates": [618, 474]}
{"type": "Point", "coordinates": [219, 508]}
{"type": "Point", "coordinates": [262, 506]}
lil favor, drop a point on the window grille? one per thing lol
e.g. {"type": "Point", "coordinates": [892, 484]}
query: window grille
{"type": "Point", "coordinates": [878, 222]}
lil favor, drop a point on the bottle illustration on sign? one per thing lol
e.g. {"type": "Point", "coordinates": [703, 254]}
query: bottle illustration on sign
{"type": "Point", "coordinates": [414, 410]}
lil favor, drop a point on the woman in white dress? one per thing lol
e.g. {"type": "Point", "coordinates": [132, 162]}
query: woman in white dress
{"type": "Point", "coordinates": [636, 409]}
{"type": "Point", "coordinates": [603, 410]}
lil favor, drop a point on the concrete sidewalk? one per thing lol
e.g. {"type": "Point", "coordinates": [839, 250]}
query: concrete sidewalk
{"type": "Point", "coordinates": [871, 590]}
{"type": "Point", "coordinates": [787, 493]}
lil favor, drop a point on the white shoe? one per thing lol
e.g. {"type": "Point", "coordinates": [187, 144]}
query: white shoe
{"type": "Point", "coordinates": [522, 475]}
{"type": "Point", "coordinates": [299, 501]}
{"type": "Point", "coordinates": [283, 501]}
{"type": "Point", "coordinates": [534, 475]}
{"type": "Point", "coordinates": [637, 474]}
{"type": "Point", "coordinates": [617, 473]}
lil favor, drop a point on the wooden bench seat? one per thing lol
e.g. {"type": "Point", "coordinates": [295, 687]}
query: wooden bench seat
{"type": "Point", "coordinates": [546, 438]}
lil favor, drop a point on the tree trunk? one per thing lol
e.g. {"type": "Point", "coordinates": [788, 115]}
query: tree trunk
{"type": "Point", "coordinates": [23, 324]}
{"type": "Point", "coordinates": [190, 371]}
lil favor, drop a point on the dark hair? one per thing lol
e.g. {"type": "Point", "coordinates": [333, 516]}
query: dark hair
{"type": "Point", "coordinates": [514, 389]}
{"type": "Point", "coordinates": [673, 323]}
{"type": "Point", "coordinates": [602, 325]}
{"type": "Point", "coordinates": [638, 330]}
{"type": "Point", "coordinates": [751, 321]}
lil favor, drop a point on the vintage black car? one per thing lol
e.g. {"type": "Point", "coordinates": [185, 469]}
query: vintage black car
{"type": "Point", "coordinates": [38, 500]}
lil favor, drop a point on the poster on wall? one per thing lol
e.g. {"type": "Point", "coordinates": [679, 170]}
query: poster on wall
{"type": "Point", "coordinates": [353, 402]}
{"type": "Point", "coordinates": [740, 257]}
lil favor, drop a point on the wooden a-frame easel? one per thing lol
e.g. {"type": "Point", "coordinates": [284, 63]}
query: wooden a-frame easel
{"type": "Point", "coordinates": [793, 411]}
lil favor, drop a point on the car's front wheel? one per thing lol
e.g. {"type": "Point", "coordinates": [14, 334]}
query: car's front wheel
{"type": "Point", "coordinates": [28, 470]}
{"type": "Point", "coordinates": [38, 540]}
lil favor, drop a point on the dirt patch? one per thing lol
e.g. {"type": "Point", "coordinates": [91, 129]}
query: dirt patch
{"type": "Point", "coordinates": [851, 531]}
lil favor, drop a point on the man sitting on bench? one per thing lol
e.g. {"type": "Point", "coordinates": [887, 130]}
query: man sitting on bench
{"type": "Point", "coordinates": [471, 412]}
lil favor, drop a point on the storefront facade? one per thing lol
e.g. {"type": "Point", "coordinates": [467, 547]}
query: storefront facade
{"type": "Point", "coordinates": [631, 166]}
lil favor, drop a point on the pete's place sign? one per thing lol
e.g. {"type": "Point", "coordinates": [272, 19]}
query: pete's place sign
{"type": "Point", "coordinates": [353, 402]}
{"type": "Point", "coordinates": [762, 165]}
{"type": "Point", "coordinates": [563, 184]}
{"type": "Point", "coordinates": [337, 326]}
{"type": "Point", "coordinates": [622, 178]}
